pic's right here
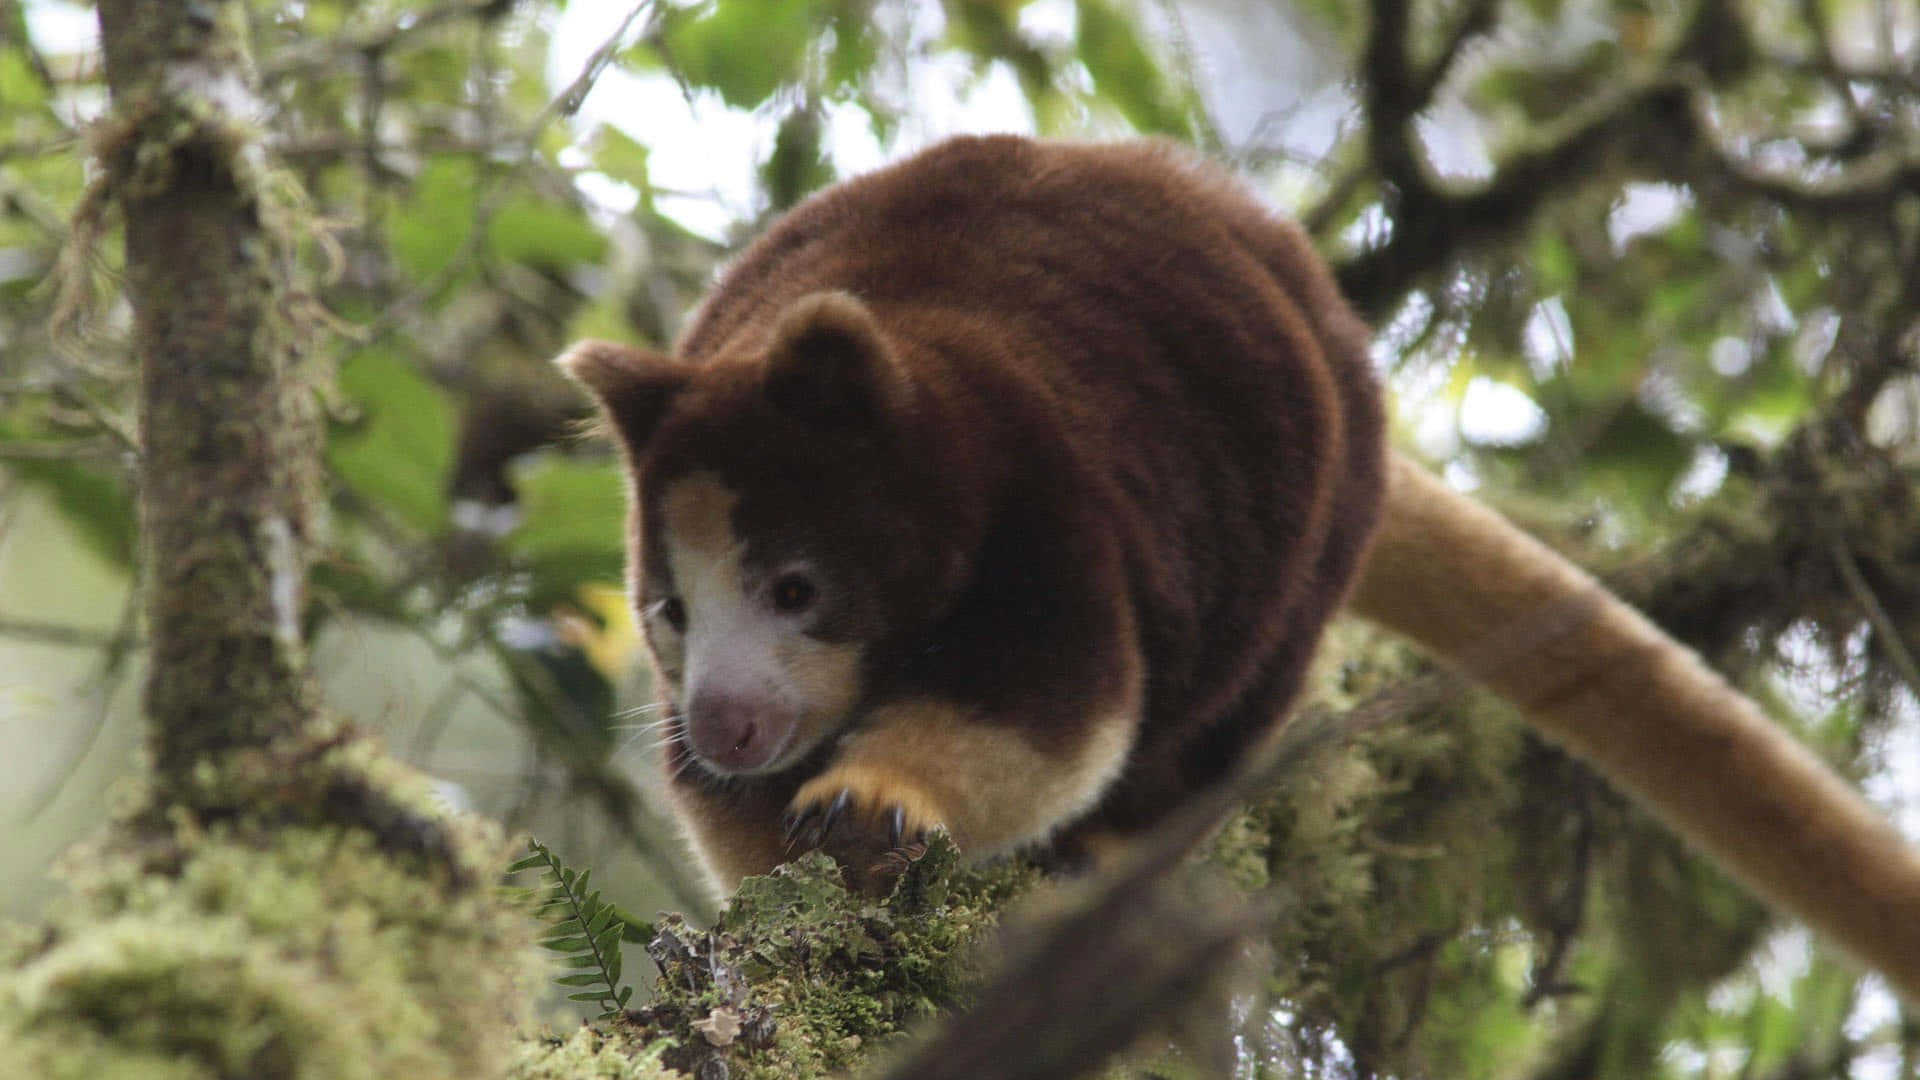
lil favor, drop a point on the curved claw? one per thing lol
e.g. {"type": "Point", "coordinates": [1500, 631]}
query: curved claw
{"type": "Point", "coordinates": [871, 819]}
{"type": "Point", "coordinates": [794, 824]}
{"type": "Point", "coordinates": [836, 810]}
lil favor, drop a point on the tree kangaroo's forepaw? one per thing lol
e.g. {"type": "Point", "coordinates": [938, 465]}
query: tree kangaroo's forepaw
{"type": "Point", "coordinates": [872, 820]}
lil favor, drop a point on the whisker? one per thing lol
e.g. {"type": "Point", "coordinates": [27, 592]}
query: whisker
{"type": "Point", "coordinates": [649, 740]}
{"type": "Point", "coordinates": [664, 730]}
{"type": "Point", "coordinates": [652, 725]}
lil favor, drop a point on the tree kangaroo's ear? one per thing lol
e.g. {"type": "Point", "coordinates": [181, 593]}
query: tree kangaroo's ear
{"type": "Point", "coordinates": [635, 386]}
{"type": "Point", "coordinates": [830, 366]}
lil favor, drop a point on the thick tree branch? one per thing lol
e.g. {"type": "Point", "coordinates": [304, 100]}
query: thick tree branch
{"type": "Point", "coordinates": [1478, 19]}
{"type": "Point", "coordinates": [1393, 99]}
{"type": "Point", "coordinates": [1648, 128]}
{"type": "Point", "coordinates": [1433, 227]}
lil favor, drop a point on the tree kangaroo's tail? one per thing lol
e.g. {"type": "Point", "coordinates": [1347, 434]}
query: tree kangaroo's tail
{"type": "Point", "coordinates": [1601, 680]}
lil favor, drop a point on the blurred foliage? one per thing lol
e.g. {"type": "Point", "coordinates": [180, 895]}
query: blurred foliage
{"type": "Point", "coordinates": [1675, 246]}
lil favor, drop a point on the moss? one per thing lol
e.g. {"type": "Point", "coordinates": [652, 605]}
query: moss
{"type": "Point", "coordinates": [592, 1053]}
{"type": "Point", "coordinates": [264, 945]}
{"type": "Point", "coordinates": [1382, 846]}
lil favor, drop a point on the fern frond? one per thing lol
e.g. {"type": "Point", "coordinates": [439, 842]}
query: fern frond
{"type": "Point", "coordinates": [585, 930]}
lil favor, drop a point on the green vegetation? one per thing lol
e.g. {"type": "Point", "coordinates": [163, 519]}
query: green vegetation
{"type": "Point", "coordinates": [256, 946]}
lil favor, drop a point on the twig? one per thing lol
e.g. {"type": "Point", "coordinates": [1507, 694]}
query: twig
{"type": "Point", "coordinates": [59, 451]}
{"type": "Point", "coordinates": [1478, 20]}
{"type": "Point", "coordinates": [569, 100]}
{"type": "Point", "coordinates": [24, 202]}
{"type": "Point", "coordinates": [1653, 126]}
{"type": "Point", "coordinates": [102, 417]}
{"type": "Point", "coordinates": [566, 103]}
{"type": "Point", "coordinates": [328, 52]}
{"type": "Point", "coordinates": [1546, 981]}
{"type": "Point", "coordinates": [34, 148]}
{"type": "Point", "coordinates": [1883, 624]}
{"type": "Point", "coordinates": [102, 687]}
{"type": "Point", "coordinates": [434, 723]}
{"type": "Point", "coordinates": [57, 633]}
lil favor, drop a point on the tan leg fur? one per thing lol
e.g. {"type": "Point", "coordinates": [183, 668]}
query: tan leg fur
{"type": "Point", "coordinates": [985, 783]}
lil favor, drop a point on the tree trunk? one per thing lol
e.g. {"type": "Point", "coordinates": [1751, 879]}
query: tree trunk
{"type": "Point", "coordinates": [228, 425]}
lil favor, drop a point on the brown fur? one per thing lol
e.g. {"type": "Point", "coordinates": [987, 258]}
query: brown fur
{"type": "Point", "coordinates": [1086, 448]}
{"type": "Point", "coordinates": [1090, 427]}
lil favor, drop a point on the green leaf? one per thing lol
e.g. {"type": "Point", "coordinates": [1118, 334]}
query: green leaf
{"type": "Point", "coordinates": [584, 960]}
{"type": "Point", "coordinates": [1125, 73]}
{"type": "Point", "coordinates": [589, 996]}
{"type": "Point", "coordinates": [599, 921]}
{"type": "Point", "coordinates": [619, 156]}
{"type": "Point", "coordinates": [574, 530]}
{"type": "Point", "coordinates": [590, 978]}
{"type": "Point", "coordinates": [571, 944]}
{"type": "Point", "coordinates": [518, 896]}
{"type": "Point", "coordinates": [1775, 394]}
{"type": "Point", "coordinates": [399, 454]}
{"type": "Point", "coordinates": [430, 227]}
{"type": "Point", "coordinates": [799, 164]}
{"type": "Point", "coordinates": [608, 940]}
{"type": "Point", "coordinates": [544, 234]}
{"type": "Point", "coordinates": [21, 92]}
{"type": "Point", "coordinates": [855, 46]}
{"type": "Point", "coordinates": [746, 49]}
{"type": "Point", "coordinates": [536, 859]}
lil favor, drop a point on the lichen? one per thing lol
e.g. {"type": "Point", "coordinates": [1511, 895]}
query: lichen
{"type": "Point", "coordinates": [799, 978]}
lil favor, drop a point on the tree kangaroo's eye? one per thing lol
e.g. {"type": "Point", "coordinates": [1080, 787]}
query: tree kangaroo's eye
{"type": "Point", "coordinates": [793, 594]}
{"type": "Point", "coordinates": [674, 611]}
